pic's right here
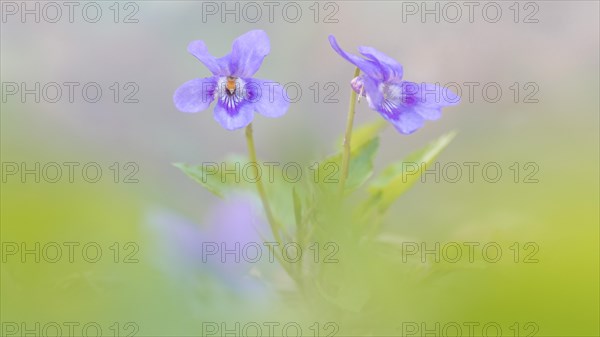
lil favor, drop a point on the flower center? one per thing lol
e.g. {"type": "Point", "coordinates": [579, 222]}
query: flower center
{"type": "Point", "coordinates": [231, 85]}
{"type": "Point", "coordinates": [230, 92]}
{"type": "Point", "coordinates": [391, 98]}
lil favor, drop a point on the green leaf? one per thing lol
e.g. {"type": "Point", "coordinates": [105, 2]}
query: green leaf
{"type": "Point", "coordinates": [364, 133]}
{"type": "Point", "coordinates": [363, 147]}
{"type": "Point", "coordinates": [206, 175]}
{"type": "Point", "coordinates": [219, 177]}
{"type": "Point", "coordinates": [360, 166]}
{"type": "Point", "coordinates": [400, 176]}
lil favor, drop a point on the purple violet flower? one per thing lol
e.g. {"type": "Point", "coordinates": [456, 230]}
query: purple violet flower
{"type": "Point", "coordinates": [238, 95]}
{"type": "Point", "coordinates": [227, 246]}
{"type": "Point", "coordinates": [404, 104]}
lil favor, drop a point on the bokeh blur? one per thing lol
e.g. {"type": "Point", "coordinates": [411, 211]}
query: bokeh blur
{"type": "Point", "coordinates": [111, 244]}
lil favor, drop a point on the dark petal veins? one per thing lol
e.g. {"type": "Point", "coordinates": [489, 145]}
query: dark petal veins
{"type": "Point", "coordinates": [233, 117]}
{"type": "Point", "coordinates": [231, 102]}
{"type": "Point", "coordinates": [394, 109]}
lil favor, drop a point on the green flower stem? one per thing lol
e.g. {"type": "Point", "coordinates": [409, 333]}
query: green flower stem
{"type": "Point", "coordinates": [348, 137]}
{"type": "Point", "coordinates": [275, 227]}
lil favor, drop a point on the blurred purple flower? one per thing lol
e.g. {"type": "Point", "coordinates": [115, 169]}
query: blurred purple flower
{"type": "Point", "coordinates": [185, 249]}
{"type": "Point", "coordinates": [404, 104]}
{"type": "Point", "coordinates": [238, 95]}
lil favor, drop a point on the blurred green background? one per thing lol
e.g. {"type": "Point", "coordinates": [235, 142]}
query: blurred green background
{"type": "Point", "coordinates": [151, 288]}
